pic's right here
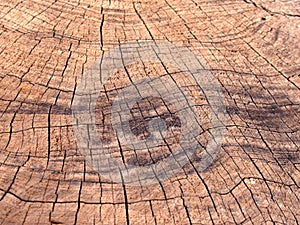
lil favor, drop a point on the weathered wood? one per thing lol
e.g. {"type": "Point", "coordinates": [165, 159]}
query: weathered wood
{"type": "Point", "coordinates": [252, 48]}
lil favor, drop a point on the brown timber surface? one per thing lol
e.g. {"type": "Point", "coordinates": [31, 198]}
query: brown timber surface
{"type": "Point", "coordinates": [252, 48]}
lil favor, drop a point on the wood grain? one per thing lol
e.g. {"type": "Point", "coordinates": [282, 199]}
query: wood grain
{"type": "Point", "coordinates": [252, 48]}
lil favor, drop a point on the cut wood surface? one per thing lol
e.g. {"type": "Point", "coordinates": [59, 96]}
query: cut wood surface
{"type": "Point", "coordinates": [252, 47]}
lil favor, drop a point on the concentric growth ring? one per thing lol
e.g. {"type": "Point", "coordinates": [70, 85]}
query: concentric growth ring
{"type": "Point", "coordinates": [88, 141]}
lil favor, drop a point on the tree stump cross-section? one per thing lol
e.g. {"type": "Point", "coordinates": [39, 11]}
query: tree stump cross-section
{"type": "Point", "coordinates": [252, 48]}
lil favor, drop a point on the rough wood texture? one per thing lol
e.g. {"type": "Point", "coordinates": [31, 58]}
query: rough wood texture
{"type": "Point", "coordinates": [252, 47]}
